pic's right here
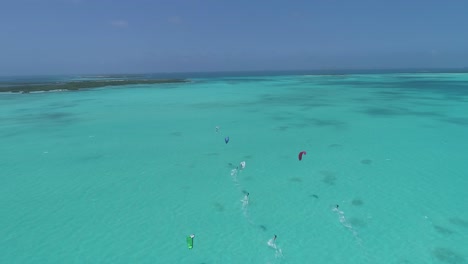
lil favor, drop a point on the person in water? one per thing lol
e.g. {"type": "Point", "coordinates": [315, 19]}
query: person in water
{"type": "Point", "coordinates": [274, 238]}
{"type": "Point", "coordinates": [337, 206]}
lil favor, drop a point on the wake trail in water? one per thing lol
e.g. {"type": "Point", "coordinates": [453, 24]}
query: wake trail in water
{"type": "Point", "coordinates": [235, 172]}
{"type": "Point", "coordinates": [347, 224]}
{"type": "Point", "coordinates": [245, 200]}
{"type": "Point", "coordinates": [272, 244]}
{"type": "Point", "coordinates": [245, 208]}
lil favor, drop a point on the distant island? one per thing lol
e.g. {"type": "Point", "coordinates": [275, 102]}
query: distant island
{"type": "Point", "coordinates": [77, 85]}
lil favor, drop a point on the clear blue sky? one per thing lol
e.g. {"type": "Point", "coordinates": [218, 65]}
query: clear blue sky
{"type": "Point", "coordinates": [103, 36]}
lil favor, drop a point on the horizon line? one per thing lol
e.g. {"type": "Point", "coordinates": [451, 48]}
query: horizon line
{"type": "Point", "coordinates": [395, 70]}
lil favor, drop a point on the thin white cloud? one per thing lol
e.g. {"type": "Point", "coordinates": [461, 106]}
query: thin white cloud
{"type": "Point", "coordinates": [119, 23]}
{"type": "Point", "coordinates": [175, 20]}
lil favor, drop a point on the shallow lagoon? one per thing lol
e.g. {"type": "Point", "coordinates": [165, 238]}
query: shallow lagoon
{"type": "Point", "coordinates": [123, 175]}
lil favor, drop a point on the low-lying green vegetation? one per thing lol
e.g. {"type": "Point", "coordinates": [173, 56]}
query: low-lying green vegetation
{"type": "Point", "coordinates": [77, 85]}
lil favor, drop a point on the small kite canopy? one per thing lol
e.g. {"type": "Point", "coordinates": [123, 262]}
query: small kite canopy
{"type": "Point", "coordinates": [190, 241]}
{"type": "Point", "coordinates": [301, 153]}
{"type": "Point", "coordinates": [242, 165]}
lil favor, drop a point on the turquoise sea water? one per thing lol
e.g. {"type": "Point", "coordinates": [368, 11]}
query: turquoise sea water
{"type": "Point", "coordinates": [125, 174]}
